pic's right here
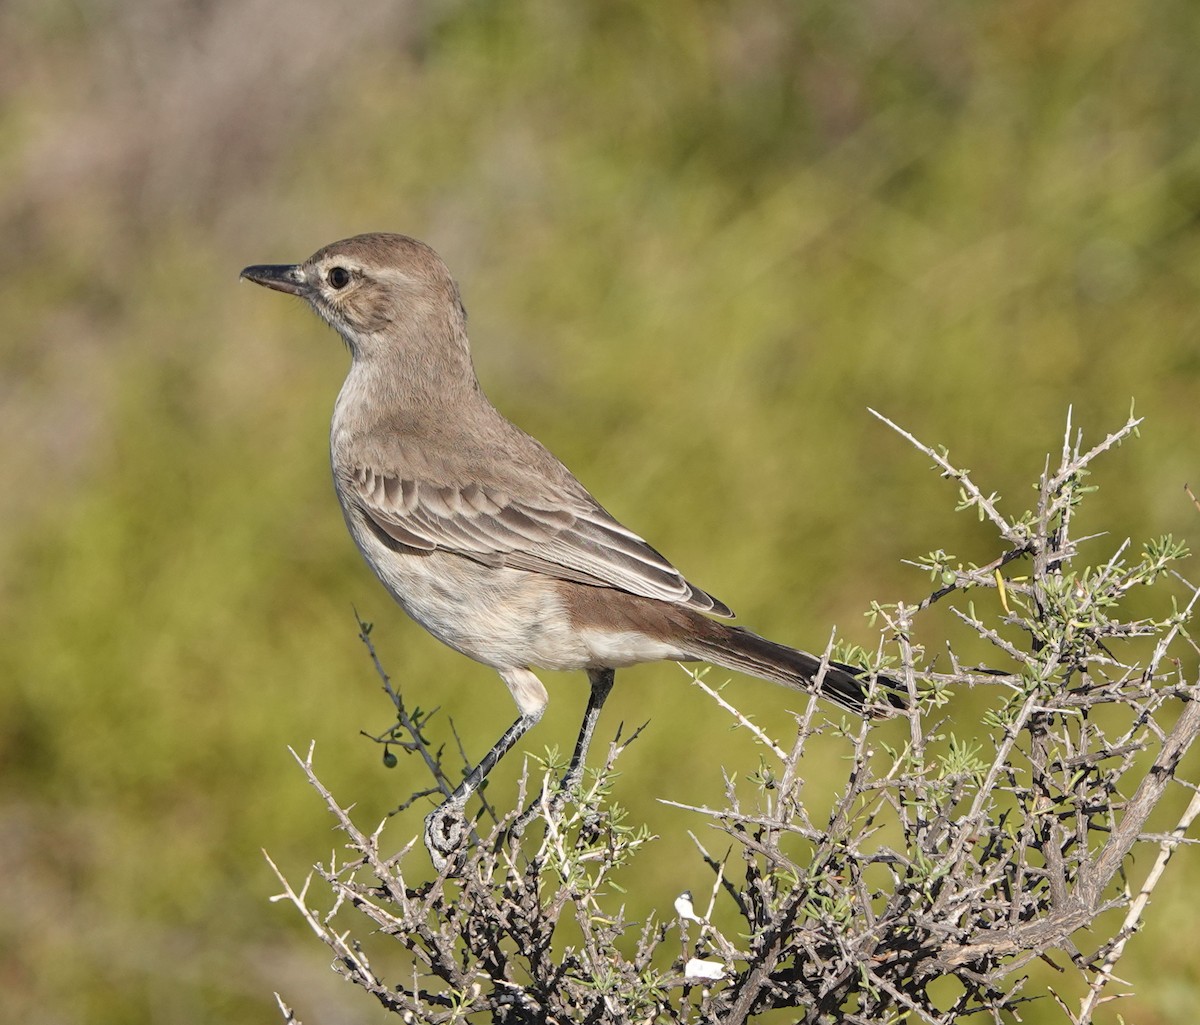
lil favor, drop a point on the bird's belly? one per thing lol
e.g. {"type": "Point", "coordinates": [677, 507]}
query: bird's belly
{"type": "Point", "coordinates": [498, 616]}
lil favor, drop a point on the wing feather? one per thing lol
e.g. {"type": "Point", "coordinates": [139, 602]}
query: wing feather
{"type": "Point", "coordinates": [562, 536]}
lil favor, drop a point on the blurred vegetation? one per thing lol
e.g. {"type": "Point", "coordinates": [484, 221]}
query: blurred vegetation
{"type": "Point", "coordinates": [696, 241]}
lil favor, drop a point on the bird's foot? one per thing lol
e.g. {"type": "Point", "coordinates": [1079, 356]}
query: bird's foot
{"type": "Point", "coordinates": [548, 805]}
{"type": "Point", "coordinates": [545, 806]}
{"type": "Point", "coordinates": [446, 834]}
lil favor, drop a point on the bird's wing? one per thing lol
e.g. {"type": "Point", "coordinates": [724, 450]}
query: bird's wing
{"type": "Point", "coordinates": [561, 536]}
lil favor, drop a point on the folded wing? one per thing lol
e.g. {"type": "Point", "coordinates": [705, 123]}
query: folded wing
{"type": "Point", "coordinates": [561, 536]}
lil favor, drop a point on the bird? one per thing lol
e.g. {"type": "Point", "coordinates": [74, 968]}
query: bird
{"type": "Point", "coordinates": [484, 537]}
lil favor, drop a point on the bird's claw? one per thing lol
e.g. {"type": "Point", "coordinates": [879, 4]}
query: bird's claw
{"type": "Point", "coordinates": [548, 805]}
{"type": "Point", "coordinates": [446, 832]}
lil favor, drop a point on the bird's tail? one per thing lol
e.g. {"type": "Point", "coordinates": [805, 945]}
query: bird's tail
{"type": "Point", "coordinates": [733, 647]}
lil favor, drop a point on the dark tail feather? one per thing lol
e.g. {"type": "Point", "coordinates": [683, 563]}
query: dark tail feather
{"type": "Point", "coordinates": [733, 647]}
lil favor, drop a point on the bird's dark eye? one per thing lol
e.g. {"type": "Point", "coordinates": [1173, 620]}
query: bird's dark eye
{"type": "Point", "coordinates": [338, 277]}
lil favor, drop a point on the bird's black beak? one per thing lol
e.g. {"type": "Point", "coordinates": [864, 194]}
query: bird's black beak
{"type": "Point", "coordinates": [285, 277]}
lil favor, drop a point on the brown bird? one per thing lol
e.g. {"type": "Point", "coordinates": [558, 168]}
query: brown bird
{"type": "Point", "coordinates": [480, 534]}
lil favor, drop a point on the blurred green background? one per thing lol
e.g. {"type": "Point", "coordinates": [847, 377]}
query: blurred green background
{"type": "Point", "coordinates": [696, 241]}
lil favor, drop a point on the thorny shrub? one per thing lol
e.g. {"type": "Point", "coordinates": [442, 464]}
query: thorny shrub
{"type": "Point", "coordinates": [945, 866]}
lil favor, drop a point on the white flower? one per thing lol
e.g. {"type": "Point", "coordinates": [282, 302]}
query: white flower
{"type": "Point", "coordinates": [685, 909]}
{"type": "Point", "coordinates": [709, 971]}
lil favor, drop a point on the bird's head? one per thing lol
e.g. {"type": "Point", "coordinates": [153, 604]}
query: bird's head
{"type": "Point", "coordinates": [385, 294]}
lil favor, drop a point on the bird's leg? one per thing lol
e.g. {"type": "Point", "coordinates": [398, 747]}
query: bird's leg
{"type": "Point", "coordinates": [446, 826]}
{"type": "Point", "coordinates": [602, 682]}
